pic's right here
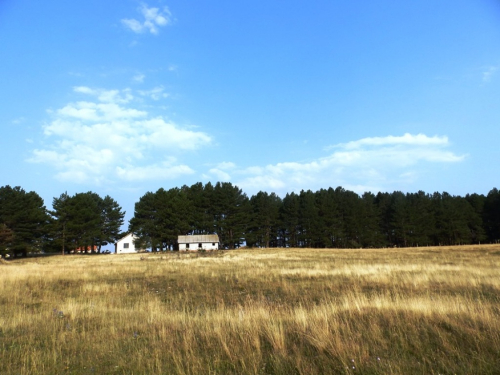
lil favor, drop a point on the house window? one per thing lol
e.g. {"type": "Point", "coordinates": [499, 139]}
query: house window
{"type": "Point", "coordinates": [199, 245]}
{"type": "Point", "coordinates": [213, 243]}
{"type": "Point", "coordinates": [187, 246]}
{"type": "Point", "coordinates": [125, 245]}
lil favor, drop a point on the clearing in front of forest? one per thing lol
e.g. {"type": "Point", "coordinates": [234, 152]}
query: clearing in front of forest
{"type": "Point", "coordinates": [280, 311]}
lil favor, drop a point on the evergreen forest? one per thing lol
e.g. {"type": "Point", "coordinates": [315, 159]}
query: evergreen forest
{"type": "Point", "coordinates": [327, 218]}
{"type": "Point", "coordinates": [83, 221]}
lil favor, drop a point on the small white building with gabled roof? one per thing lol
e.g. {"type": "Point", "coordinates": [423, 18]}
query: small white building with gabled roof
{"type": "Point", "coordinates": [198, 242]}
{"type": "Point", "coordinates": [125, 245]}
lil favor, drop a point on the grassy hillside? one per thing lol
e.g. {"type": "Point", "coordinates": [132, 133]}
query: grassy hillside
{"type": "Point", "coordinates": [273, 311]}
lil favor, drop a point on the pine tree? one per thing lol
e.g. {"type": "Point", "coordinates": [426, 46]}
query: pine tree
{"type": "Point", "coordinates": [309, 233]}
{"type": "Point", "coordinates": [145, 223]}
{"type": "Point", "coordinates": [329, 223]}
{"type": "Point", "coordinates": [383, 203]}
{"type": "Point", "coordinates": [202, 220]}
{"type": "Point", "coordinates": [231, 213]}
{"type": "Point", "coordinates": [61, 217]}
{"type": "Point", "coordinates": [492, 215]}
{"type": "Point", "coordinates": [263, 228]}
{"type": "Point", "coordinates": [85, 220]}
{"type": "Point", "coordinates": [6, 239]}
{"type": "Point", "coordinates": [23, 221]}
{"type": "Point", "coordinates": [476, 222]}
{"type": "Point", "coordinates": [111, 216]}
{"type": "Point", "coordinates": [289, 219]}
{"type": "Point", "coordinates": [370, 233]}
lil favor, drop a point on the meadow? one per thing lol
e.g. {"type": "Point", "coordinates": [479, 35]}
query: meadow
{"type": "Point", "coordinates": [432, 310]}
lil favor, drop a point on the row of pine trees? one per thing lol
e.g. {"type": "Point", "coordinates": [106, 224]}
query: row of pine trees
{"type": "Point", "coordinates": [323, 219]}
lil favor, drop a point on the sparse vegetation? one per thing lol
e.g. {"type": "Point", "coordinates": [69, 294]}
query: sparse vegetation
{"type": "Point", "coordinates": [274, 311]}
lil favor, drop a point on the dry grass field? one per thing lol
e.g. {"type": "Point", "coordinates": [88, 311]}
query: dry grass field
{"type": "Point", "coordinates": [272, 311]}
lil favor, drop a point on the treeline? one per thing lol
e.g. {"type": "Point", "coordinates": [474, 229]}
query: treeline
{"type": "Point", "coordinates": [325, 218]}
{"type": "Point", "coordinates": [322, 219]}
{"type": "Point", "coordinates": [83, 221]}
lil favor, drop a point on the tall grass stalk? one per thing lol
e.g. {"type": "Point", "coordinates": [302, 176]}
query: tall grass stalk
{"type": "Point", "coordinates": [273, 311]}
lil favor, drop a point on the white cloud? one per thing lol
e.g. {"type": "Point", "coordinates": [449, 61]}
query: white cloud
{"type": "Point", "coordinates": [133, 25]}
{"type": "Point", "coordinates": [220, 172]}
{"type": "Point", "coordinates": [84, 90]}
{"type": "Point", "coordinates": [98, 111]}
{"type": "Point", "coordinates": [368, 164]}
{"type": "Point", "coordinates": [226, 165]}
{"type": "Point", "coordinates": [257, 183]}
{"type": "Point", "coordinates": [167, 134]}
{"type": "Point", "coordinates": [164, 171]}
{"type": "Point", "coordinates": [106, 139]}
{"type": "Point", "coordinates": [220, 175]}
{"type": "Point", "coordinates": [152, 19]}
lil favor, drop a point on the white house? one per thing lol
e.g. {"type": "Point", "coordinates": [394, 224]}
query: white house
{"type": "Point", "coordinates": [198, 242]}
{"type": "Point", "coordinates": [125, 245]}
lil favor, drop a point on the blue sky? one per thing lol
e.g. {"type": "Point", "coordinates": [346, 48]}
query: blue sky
{"type": "Point", "coordinates": [124, 97]}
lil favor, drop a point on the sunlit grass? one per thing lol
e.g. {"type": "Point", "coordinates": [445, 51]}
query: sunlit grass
{"type": "Point", "coordinates": [273, 311]}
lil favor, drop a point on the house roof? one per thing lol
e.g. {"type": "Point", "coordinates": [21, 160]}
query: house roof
{"type": "Point", "coordinates": [125, 237]}
{"type": "Point", "coordinates": [197, 238]}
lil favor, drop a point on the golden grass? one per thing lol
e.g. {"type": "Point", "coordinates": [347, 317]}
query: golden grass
{"type": "Point", "coordinates": [274, 311]}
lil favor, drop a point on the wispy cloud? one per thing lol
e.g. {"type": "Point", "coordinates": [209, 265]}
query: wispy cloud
{"type": "Point", "coordinates": [138, 78]}
{"type": "Point", "coordinates": [489, 72]}
{"type": "Point", "coordinates": [104, 138]}
{"type": "Point", "coordinates": [406, 139]}
{"type": "Point", "coordinates": [18, 121]}
{"type": "Point", "coordinates": [106, 96]}
{"type": "Point", "coordinates": [152, 19]}
{"type": "Point", "coordinates": [361, 165]}
{"type": "Point", "coordinates": [156, 93]}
